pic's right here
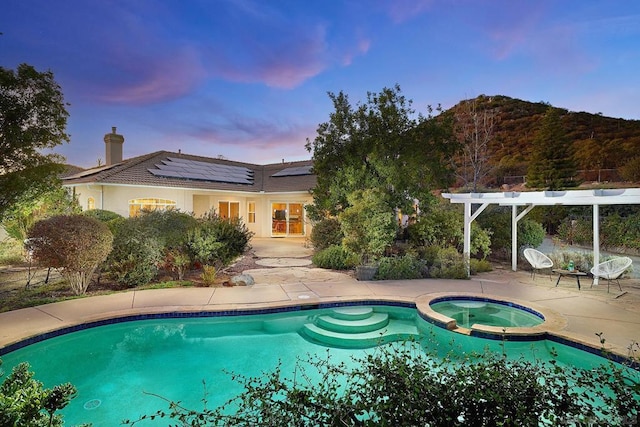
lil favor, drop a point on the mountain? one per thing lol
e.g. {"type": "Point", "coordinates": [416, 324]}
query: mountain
{"type": "Point", "coordinates": [600, 145]}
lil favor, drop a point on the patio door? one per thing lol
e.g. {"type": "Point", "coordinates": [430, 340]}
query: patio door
{"type": "Point", "coordinates": [287, 219]}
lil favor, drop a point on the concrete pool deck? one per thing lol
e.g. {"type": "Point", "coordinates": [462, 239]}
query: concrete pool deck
{"type": "Point", "coordinates": [293, 281]}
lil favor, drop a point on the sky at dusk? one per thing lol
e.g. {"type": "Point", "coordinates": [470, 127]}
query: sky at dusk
{"type": "Point", "coordinates": [248, 79]}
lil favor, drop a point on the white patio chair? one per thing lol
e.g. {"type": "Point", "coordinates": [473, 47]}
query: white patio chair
{"type": "Point", "coordinates": [611, 270]}
{"type": "Point", "coordinates": [538, 261]}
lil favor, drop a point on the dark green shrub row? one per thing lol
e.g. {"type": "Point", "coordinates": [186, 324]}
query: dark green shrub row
{"type": "Point", "coordinates": [335, 258]}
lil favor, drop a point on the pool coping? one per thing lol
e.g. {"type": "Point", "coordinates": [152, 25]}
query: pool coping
{"type": "Point", "coordinates": [551, 329]}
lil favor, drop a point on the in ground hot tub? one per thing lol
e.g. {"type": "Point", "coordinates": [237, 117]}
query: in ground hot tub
{"type": "Point", "coordinates": [468, 311]}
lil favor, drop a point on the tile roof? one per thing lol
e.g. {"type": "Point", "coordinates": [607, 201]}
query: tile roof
{"type": "Point", "coordinates": [135, 171]}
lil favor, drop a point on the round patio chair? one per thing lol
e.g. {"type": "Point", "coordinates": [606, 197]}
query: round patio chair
{"type": "Point", "coordinates": [538, 261]}
{"type": "Point", "coordinates": [611, 270]}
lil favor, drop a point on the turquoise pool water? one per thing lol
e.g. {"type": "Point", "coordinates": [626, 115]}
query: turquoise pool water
{"type": "Point", "coordinates": [112, 366]}
{"type": "Point", "coordinates": [466, 313]}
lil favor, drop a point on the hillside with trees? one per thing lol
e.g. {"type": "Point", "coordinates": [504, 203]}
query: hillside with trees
{"type": "Point", "coordinates": [603, 148]}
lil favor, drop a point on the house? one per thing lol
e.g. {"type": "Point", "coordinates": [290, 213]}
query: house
{"type": "Point", "coordinates": [270, 198]}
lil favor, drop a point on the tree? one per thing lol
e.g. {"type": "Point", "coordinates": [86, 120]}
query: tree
{"type": "Point", "coordinates": [24, 401]}
{"type": "Point", "coordinates": [474, 128]}
{"type": "Point", "coordinates": [74, 244]}
{"type": "Point", "coordinates": [368, 225]}
{"type": "Point", "coordinates": [21, 216]}
{"type": "Point", "coordinates": [552, 166]}
{"type": "Point", "coordinates": [379, 144]}
{"type": "Point", "coordinates": [33, 117]}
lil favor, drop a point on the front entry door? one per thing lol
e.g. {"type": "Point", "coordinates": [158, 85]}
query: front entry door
{"type": "Point", "coordinates": [287, 219]}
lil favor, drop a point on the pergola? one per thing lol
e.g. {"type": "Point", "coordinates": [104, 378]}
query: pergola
{"type": "Point", "coordinates": [529, 200]}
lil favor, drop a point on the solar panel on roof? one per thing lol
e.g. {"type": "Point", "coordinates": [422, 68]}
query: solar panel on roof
{"type": "Point", "coordinates": [202, 171]}
{"type": "Point", "coordinates": [294, 171]}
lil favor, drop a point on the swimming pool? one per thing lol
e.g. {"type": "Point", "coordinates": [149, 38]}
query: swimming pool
{"type": "Point", "coordinates": [113, 366]}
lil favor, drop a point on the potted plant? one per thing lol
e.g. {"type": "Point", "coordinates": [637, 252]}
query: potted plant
{"type": "Point", "coordinates": [369, 228]}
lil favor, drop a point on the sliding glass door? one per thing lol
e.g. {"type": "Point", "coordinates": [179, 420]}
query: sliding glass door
{"type": "Point", "coordinates": [287, 219]}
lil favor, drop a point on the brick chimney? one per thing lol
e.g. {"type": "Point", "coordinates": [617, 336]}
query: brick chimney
{"type": "Point", "coordinates": [113, 144]}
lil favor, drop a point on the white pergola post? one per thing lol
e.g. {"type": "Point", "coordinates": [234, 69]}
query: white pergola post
{"type": "Point", "coordinates": [514, 233]}
{"type": "Point", "coordinates": [468, 219]}
{"type": "Point", "coordinates": [596, 238]}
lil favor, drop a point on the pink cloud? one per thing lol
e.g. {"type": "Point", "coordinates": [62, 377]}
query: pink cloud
{"type": "Point", "coordinates": [152, 80]}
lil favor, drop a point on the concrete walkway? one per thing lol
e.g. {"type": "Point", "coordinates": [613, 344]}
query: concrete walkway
{"type": "Point", "coordinates": [293, 281]}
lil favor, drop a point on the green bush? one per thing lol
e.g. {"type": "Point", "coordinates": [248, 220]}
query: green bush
{"type": "Point", "coordinates": [498, 221]}
{"type": "Point", "coordinates": [369, 227]}
{"type": "Point", "coordinates": [479, 266]}
{"type": "Point", "coordinates": [582, 261]}
{"type": "Point", "coordinates": [74, 244]}
{"type": "Point", "coordinates": [216, 240]}
{"type": "Point", "coordinates": [449, 264]}
{"type": "Point", "coordinates": [443, 225]}
{"type": "Point", "coordinates": [170, 226]}
{"type": "Point", "coordinates": [335, 258]}
{"type": "Point", "coordinates": [325, 233]}
{"type": "Point", "coordinates": [25, 402]}
{"type": "Point", "coordinates": [102, 215]}
{"type": "Point", "coordinates": [402, 267]}
{"type": "Point", "coordinates": [576, 231]}
{"type": "Point", "coordinates": [136, 254]}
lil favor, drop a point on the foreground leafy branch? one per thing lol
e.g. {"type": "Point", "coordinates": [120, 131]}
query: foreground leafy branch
{"type": "Point", "coordinates": [400, 384]}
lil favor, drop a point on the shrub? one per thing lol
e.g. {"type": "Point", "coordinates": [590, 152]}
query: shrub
{"type": "Point", "coordinates": [209, 273]}
{"type": "Point", "coordinates": [582, 261]}
{"type": "Point", "coordinates": [25, 402]}
{"type": "Point", "coordinates": [576, 231]}
{"type": "Point", "coordinates": [444, 226]}
{"type": "Point", "coordinates": [73, 244]}
{"type": "Point", "coordinates": [136, 253]}
{"type": "Point", "coordinates": [102, 215]}
{"type": "Point", "coordinates": [171, 226]}
{"type": "Point", "coordinates": [325, 233]}
{"type": "Point", "coordinates": [177, 261]}
{"type": "Point", "coordinates": [479, 266]}
{"type": "Point", "coordinates": [403, 267]}
{"type": "Point", "coordinates": [498, 221]}
{"type": "Point", "coordinates": [369, 227]}
{"type": "Point", "coordinates": [217, 240]}
{"type": "Point", "coordinates": [449, 264]}
{"type": "Point", "coordinates": [335, 257]}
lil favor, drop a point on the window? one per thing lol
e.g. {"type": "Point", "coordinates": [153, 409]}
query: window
{"type": "Point", "coordinates": [91, 203]}
{"type": "Point", "coordinates": [137, 205]}
{"type": "Point", "coordinates": [251, 212]}
{"type": "Point", "coordinates": [228, 210]}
